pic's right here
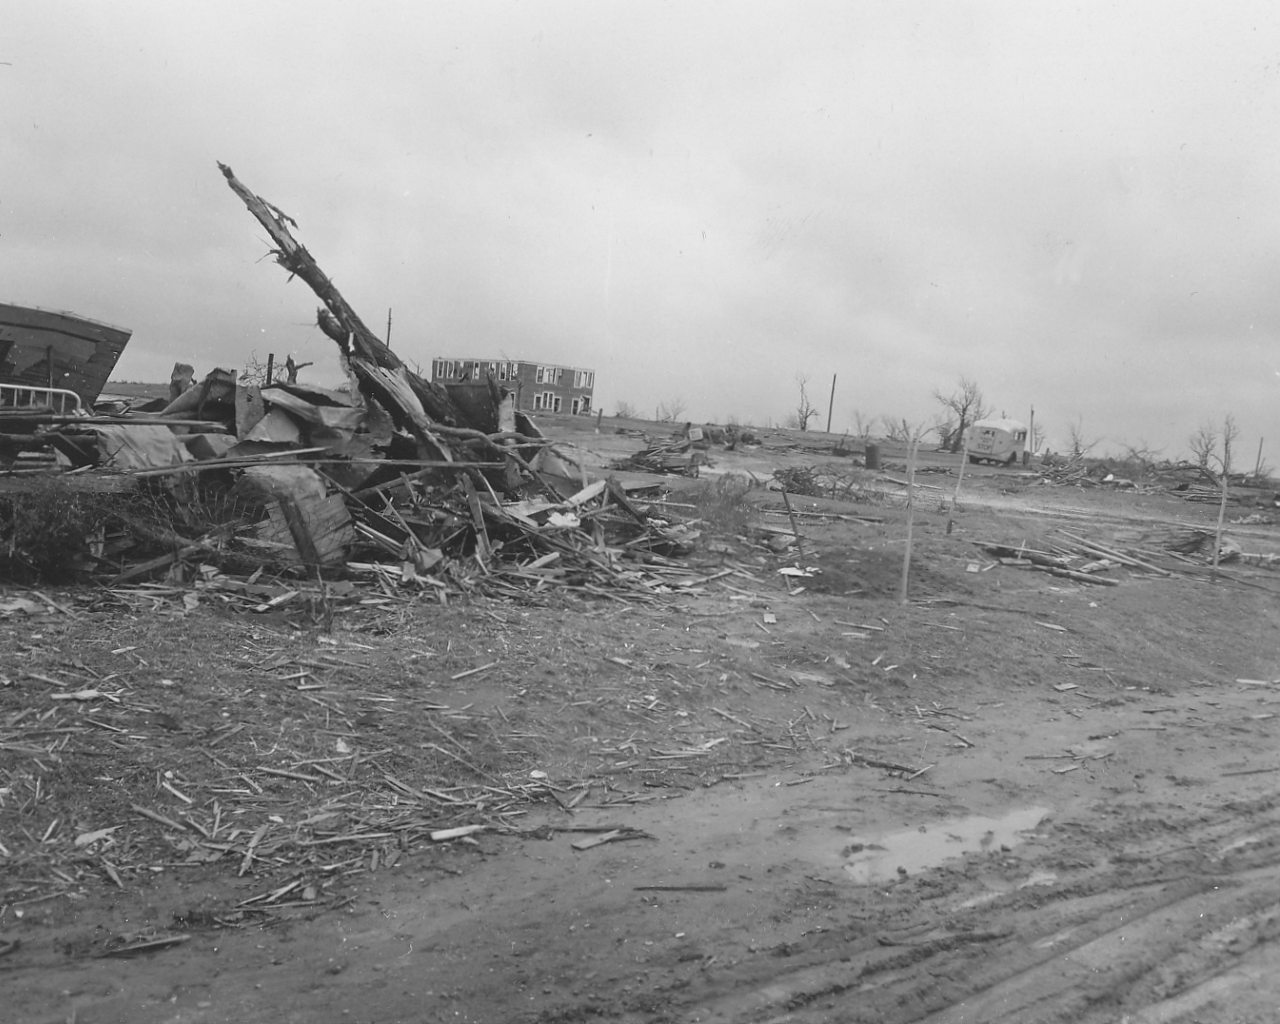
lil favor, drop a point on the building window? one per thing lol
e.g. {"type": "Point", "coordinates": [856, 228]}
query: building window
{"type": "Point", "coordinates": [555, 401]}
{"type": "Point", "coordinates": [502, 371]}
{"type": "Point", "coordinates": [537, 377]}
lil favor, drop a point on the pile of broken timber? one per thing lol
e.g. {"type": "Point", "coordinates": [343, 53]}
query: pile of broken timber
{"type": "Point", "coordinates": [597, 541]}
{"type": "Point", "coordinates": [1081, 559]}
{"type": "Point", "coordinates": [1057, 563]}
{"type": "Point", "coordinates": [673, 457]}
{"type": "Point", "coordinates": [1213, 495]}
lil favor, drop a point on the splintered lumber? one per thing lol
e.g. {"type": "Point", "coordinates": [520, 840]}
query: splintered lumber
{"type": "Point", "coordinates": [1080, 577]}
{"type": "Point", "coordinates": [341, 323]}
{"type": "Point", "coordinates": [1023, 553]}
{"type": "Point", "coordinates": [319, 528]}
{"type": "Point", "coordinates": [1106, 552]}
{"type": "Point", "coordinates": [146, 945]}
{"type": "Point", "coordinates": [483, 547]}
{"type": "Point", "coordinates": [1056, 565]}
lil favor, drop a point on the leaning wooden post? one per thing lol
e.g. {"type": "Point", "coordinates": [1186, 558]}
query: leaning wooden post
{"type": "Point", "coordinates": [1222, 512]}
{"type": "Point", "coordinates": [795, 527]}
{"type": "Point", "coordinates": [911, 483]}
{"type": "Point", "coordinates": [955, 498]}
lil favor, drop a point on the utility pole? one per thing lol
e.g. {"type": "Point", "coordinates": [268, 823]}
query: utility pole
{"type": "Point", "coordinates": [388, 327]}
{"type": "Point", "coordinates": [831, 404]}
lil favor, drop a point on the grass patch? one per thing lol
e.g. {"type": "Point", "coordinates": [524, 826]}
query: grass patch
{"type": "Point", "coordinates": [724, 504]}
{"type": "Point", "coordinates": [49, 528]}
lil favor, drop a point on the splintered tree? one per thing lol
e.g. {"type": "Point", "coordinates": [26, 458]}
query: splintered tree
{"type": "Point", "coordinates": [967, 405]}
{"type": "Point", "coordinates": [895, 429]}
{"type": "Point", "coordinates": [417, 406]}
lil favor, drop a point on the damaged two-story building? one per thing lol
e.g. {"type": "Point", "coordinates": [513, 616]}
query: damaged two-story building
{"type": "Point", "coordinates": [538, 387]}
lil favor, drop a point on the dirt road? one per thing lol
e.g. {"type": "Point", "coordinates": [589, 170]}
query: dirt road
{"type": "Point", "coordinates": [1015, 798]}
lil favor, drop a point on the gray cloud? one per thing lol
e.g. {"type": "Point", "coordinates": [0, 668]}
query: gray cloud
{"type": "Point", "coordinates": [1075, 205]}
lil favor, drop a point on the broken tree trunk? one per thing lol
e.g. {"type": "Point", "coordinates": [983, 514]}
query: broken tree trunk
{"type": "Point", "coordinates": [379, 370]}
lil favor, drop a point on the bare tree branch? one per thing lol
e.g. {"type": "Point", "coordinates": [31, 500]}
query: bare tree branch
{"type": "Point", "coordinates": [804, 408]}
{"type": "Point", "coordinates": [968, 405]}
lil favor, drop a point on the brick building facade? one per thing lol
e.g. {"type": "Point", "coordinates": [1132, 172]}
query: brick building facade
{"type": "Point", "coordinates": [538, 387]}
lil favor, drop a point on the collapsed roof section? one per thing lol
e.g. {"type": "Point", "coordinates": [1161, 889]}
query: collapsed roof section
{"type": "Point", "coordinates": [43, 349]}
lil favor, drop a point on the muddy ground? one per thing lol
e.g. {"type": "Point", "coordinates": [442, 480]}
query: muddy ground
{"type": "Point", "coordinates": [1015, 798]}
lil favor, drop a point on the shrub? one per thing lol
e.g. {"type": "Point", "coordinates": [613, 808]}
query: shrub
{"type": "Point", "coordinates": [46, 527]}
{"type": "Point", "coordinates": [723, 505]}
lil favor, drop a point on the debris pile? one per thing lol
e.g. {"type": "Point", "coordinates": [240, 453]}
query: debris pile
{"type": "Point", "coordinates": [1187, 553]}
{"type": "Point", "coordinates": [671, 457]}
{"type": "Point", "coordinates": [397, 478]}
{"type": "Point", "coordinates": [853, 485]}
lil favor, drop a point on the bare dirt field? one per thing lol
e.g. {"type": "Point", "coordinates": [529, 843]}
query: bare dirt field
{"type": "Point", "coordinates": [1014, 798]}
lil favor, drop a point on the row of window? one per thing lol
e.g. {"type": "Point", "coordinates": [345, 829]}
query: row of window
{"type": "Point", "coordinates": [472, 369]}
{"type": "Point", "coordinates": [549, 401]}
{"type": "Point", "coordinates": [475, 370]}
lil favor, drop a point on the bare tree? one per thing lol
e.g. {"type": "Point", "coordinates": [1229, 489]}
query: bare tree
{"type": "Point", "coordinates": [896, 429]}
{"type": "Point", "coordinates": [626, 410]}
{"type": "Point", "coordinates": [1204, 444]}
{"type": "Point", "coordinates": [1213, 452]}
{"type": "Point", "coordinates": [804, 408]}
{"type": "Point", "coordinates": [254, 372]}
{"type": "Point", "coordinates": [670, 410]}
{"type": "Point", "coordinates": [863, 425]}
{"type": "Point", "coordinates": [944, 426]}
{"type": "Point", "coordinates": [1080, 445]}
{"type": "Point", "coordinates": [1141, 455]}
{"type": "Point", "coordinates": [967, 404]}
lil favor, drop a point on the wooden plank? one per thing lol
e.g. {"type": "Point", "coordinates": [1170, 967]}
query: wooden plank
{"type": "Point", "coordinates": [317, 530]}
{"type": "Point", "coordinates": [483, 547]}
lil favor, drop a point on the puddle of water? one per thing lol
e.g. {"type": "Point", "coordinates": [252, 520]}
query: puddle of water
{"type": "Point", "coordinates": [878, 858]}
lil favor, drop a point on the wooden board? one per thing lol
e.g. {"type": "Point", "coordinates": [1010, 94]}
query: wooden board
{"type": "Point", "coordinates": [84, 352]}
{"type": "Point", "coordinates": [319, 531]}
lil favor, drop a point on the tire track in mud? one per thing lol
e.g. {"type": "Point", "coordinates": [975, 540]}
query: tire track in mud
{"type": "Point", "coordinates": [1156, 935]}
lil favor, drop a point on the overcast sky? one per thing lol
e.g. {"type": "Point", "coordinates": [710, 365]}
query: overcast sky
{"type": "Point", "coordinates": [1076, 205]}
